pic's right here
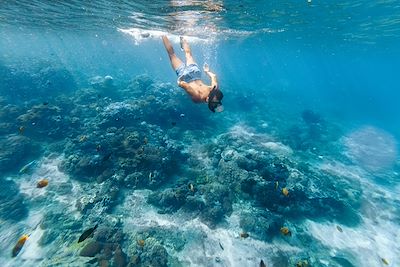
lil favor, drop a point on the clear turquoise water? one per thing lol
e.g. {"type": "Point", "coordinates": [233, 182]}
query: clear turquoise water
{"type": "Point", "coordinates": [274, 61]}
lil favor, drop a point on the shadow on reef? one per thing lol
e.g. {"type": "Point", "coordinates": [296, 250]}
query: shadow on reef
{"type": "Point", "coordinates": [312, 133]}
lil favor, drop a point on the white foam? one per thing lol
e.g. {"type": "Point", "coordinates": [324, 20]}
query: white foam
{"type": "Point", "coordinates": [203, 34]}
{"type": "Point", "coordinates": [140, 35]}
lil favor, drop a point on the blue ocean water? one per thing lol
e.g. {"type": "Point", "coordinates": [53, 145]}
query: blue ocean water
{"type": "Point", "coordinates": [300, 169]}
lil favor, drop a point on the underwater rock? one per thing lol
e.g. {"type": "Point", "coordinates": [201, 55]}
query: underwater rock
{"type": "Point", "coordinates": [47, 237]}
{"type": "Point", "coordinates": [229, 154]}
{"type": "Point", "coordinates": [218, 204]}
{"type": "Point", "coordinates": [230, 173]}
{"type": "Point", "coordinates": [119, 114]}
{"type": "Point", "coordinates": [262, 224]}
{"type": "Point", "coordinates": [15, 150]}
{"type": "Point", "coordinates": [193, 204]}
{"type": "Point", "coordinates": [275, 171]}
{"type": "Point", "coordinates": [169, 200]}
{"type": "Point", "coordinates": [51, 218]}
{"type": "Point", "coordinates": [91, 249]}
{"type": "Point", "coordinates": [85, 168]}
{"type": "Point", "coordinates": [109, 235]}
{"type": "Point", "coordinates": [120, 258]}
{"type": "Point", "coordinates": [153, 254]}
{"type": "Point", "coordinates": [104, 85]}
{"type": "Point", "coordinates": [43, 121]}
{"type": "Point", "coordinates": [310, 117]}
{"type": "Point", "coordinates": [99, 200]}
{"type": "Point", "coordinates": [12, 204]}
{"type": "Point", "coordinates": [247, 164]}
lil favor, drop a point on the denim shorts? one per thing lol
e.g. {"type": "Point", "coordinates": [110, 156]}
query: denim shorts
{"type": "Point", "coordinates": [188, 73]}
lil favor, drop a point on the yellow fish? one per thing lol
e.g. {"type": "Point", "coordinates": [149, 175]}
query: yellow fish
{"type": "Point", "coordinates": [42, 183]}
{"type": "Point", "coordinates": [285, 192]}
{"type": "Point", "coordinates": [17, 248]}
{"type": "Point", "coordinates": [141, 242]}
{"type": "Point", "coordinates": [286, 231]}
{"type": "Point", "coordinates": [385, 261]}
{"type": "Point", "coordinates": [244, 235]}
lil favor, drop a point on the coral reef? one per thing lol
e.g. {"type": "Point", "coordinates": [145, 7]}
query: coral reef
{"type": "Point", "coordinates": [15, 151]}
{"type": "Point", "coordinates": [40, 80]}
{"type": "Point", "coordinates": [112, 142]}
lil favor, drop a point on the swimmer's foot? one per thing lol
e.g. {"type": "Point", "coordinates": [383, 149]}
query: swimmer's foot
{"type": "Point", "coordinates": [181, 42]}
{"type": "Point", "coordinates": [184, 44]}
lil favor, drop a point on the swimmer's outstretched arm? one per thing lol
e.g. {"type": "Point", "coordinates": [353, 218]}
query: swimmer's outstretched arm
{"type": "Point", "coordinates": [210, 74]}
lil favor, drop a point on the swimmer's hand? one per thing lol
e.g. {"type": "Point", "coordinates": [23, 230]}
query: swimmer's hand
{"type": "Point", "coordinates": [206, 68]}
{"type": "Point", "coordinates": [180, 82]}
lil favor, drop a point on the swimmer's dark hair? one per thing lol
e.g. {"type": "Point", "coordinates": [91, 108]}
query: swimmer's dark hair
{"type": "Point", "coordinates": [219, 95]}
{"type": "Point", "coordinates": [215, 93]}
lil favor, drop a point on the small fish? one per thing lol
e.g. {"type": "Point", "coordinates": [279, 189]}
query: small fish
{"type": "Point", "coordinates": [220, 245]}
{"type": "Point", "coordinates": [262, 264]}
{"type": "Point", "coordinates": [98, 148]}
{"type": "Point", "coordinates": [285, 191]}
{"type": "Point", "coordinates": [141, 242]}
{"type": "Point", "coordinates": [17, 248]}
{"type": "Point", "coordinates": [339, 228]}
{"type": "Point", "coordinates": [244, 235]}
{"type": "Point", "coordinates": [83, 138]}
{"type": "Point", "coordinates": [42, 183]}
{"type": "Point", "coordinates": [145, 140]}
{"type": "Point", "coordinates": [173, 123]}
{"type": "Point", "coordinates": [276, 185]}
{"type": "Point", "coordinates": [385, 261]}
{"type": "Point", "coordinates": [191, 187]}
{"type": "Point", "coordinates": [87, 233]}
{"type": "Point", "coordinates": [286, 231]}
{"type": "Point", "coordinates": [45, 103]}
{"type": "Point", "coordinates": [27, 166]}
{"type": "Point", "coordinates": [21, 129]}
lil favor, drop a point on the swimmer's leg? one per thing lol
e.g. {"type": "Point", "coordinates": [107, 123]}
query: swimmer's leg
{"type": "Point", "coordinates": [188, 53]}
{"type": "Point", "coordinates": [175, 61]}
